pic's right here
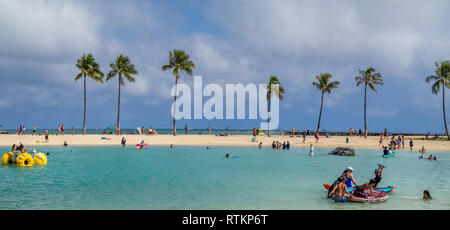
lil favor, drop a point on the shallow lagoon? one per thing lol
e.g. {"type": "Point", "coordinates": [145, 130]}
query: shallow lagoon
{"type": "Point", "coordinates": [193, 177]}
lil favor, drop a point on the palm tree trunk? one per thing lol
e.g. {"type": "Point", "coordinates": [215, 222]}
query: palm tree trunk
{"type": "Point", "coordinates": [320, 114]}
{"type": "Point", "coordinates": [268, 116]}
{"type": "Point", "coordinates": [84, 114]}
{"type": "Point", "coordinates": [365, 121]}
{"type": "Point", "coordinates": [174, 106]}
{"type": "Point", "coordinates": [443, 110]}
{"type": "Point", "coordinates": [118, 109]}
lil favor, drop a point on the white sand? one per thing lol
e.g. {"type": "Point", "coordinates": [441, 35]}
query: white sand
{"type": "Point", "coordinates": [205, 140]}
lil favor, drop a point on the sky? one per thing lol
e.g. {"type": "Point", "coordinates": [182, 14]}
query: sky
{"type": "Point", "coordinates": [230, 42]}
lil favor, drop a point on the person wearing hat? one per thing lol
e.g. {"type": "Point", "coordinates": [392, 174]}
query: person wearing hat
{"type": "Point", "coordinates": [348, 176]}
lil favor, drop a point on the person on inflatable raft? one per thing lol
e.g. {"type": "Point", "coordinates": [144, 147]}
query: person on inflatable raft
{"type": "Point", "coordinates": [17, 150]}
{"type": "Point", "coordinates": [339, 190]}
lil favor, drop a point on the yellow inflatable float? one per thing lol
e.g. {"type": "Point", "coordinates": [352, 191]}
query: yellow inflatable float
{"type": "Point", "coordinates": [7, 157]}
{"type": "Point", "coordinates": [24, 159]}
{"type": "Point", "coordinates": [40, 159]}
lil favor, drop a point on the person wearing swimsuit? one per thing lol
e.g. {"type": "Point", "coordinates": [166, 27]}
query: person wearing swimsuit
{"type": "Point", "coordinates": [348, 176]}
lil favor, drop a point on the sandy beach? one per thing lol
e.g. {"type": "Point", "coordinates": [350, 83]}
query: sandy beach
{"type": "Point", "coordinates": [211, 140]}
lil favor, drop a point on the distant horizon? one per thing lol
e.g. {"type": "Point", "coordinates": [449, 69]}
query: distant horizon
{"type": "Point", "coordinates": [42, 41]}
{"type": "Point", "coordinates": [68, 130]}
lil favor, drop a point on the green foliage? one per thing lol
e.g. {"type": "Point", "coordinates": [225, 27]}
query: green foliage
{"type": "Point", "coordinates": [122, 67]}
{"type": "Point", "coordinates": [442, 77]}
{"type": "Point", "coordinates": [179, 61]}
{"type": "Point", "coordinates": [278, 91]}
{"type": "Point", "coordinates": [89, 68]}
{"type": "Point", "coordinates": [369, 78]}
{"type": "Point", "coordinates": [323, 83]}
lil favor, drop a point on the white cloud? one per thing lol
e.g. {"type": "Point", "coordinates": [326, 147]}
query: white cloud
{"type": "Point", "coordinates": [47, 29]}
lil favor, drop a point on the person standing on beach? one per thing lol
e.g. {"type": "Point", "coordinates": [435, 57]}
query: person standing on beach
{"type": "Point", "coordinates": [46, 136]}
{"type": "Point", "coordinates": [411, 144]}
{"type": "Point", "coordinates": [186, 129]}
{"type": "Point", "coordinates": [292, 132]}
{"type": "Point", "coordinates": [307, 132]}
{"type": "Point", "coordinates": [304, 138]}
{"type": "Point", "coordinates": [23, 130]}
{"type": "Point", "coordinates": [34, 129]}
{"type": "Point", "coordinates": [123, 142]}
{"type": "Point", "coordinates": [62, 129]}
{"type": "Point", "coordinates": [209, 130]}
{"type": "Point", "coordinates": [73, 130]}
{"type": "Point", "coordinates": [59, 129]}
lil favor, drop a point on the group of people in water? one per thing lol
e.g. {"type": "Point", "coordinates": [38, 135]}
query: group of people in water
{"type": "Point", "coordinates": [279, 145]}
{"type": "Point", "coordinates": [339, 189]}
{"type": "Point", "coordinates": [19, 149]}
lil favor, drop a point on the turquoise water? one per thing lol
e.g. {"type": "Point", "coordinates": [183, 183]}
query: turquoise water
{"type": "Point", "coordinates": [193, 177]}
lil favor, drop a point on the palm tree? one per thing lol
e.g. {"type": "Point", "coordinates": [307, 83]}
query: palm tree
{"type": "Point", "coordinates": [277, 93]}
{"type": "Point", "coordinates": [122, 66]}
{"type": "Point", "coordinates": [442, 78]}
{"type": "Point", "coordinates": [369, 78]}
{"type": "Point", "coordinates": [89, 68]}
{"type": "Point", "coordinates": [179, 61]}
{"type": "Point", "coordinates": [325, 86]}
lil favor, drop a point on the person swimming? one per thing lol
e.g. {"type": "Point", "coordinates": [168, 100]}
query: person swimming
{"type": "Point", "coordinates": [426, 195]}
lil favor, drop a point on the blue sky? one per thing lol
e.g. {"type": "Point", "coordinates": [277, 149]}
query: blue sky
{"type": "Point", "coordinates": [230, 42]}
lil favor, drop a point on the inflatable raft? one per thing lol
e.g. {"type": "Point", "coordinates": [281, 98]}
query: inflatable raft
{"type": "Point", "coordinates": [377, 197]}
{"type": "Point", "coordinates": [389, 155]}
{"type": "Point", "coordinates": [24, 159]}
{"type": "Point", "coordinates": [139, 146]}
{"type": "Point", "coordinates": [388, 189]}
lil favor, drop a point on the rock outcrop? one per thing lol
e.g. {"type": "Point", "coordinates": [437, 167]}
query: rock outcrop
{"type": "Point", "coordinates": [342, 151]}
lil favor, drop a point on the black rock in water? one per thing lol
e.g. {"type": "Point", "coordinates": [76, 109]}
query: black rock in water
{"type": "Point", "coordinates": [342, 151]}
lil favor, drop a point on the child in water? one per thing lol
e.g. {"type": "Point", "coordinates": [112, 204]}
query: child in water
{"type": "Point", "coordinates": [426, 195]}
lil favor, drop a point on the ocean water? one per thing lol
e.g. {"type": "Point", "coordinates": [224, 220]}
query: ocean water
{"type": "Point", "coordinates": [193, 177]}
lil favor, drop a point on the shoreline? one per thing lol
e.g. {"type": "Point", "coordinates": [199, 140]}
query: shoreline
{"type": "Point", "coordinates": [371, 142]}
